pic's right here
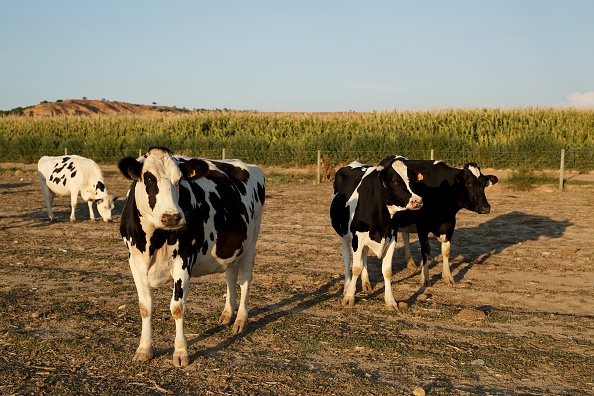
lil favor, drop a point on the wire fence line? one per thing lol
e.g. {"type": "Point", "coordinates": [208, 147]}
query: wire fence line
{"type": "Point", "coordinates": [573, 159]}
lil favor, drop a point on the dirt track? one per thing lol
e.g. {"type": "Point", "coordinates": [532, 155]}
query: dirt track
{"type": "Point", "coordinates": [519, 321]}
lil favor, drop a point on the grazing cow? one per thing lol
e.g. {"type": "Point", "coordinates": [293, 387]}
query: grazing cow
{"type": "Point", "coordinates": [445, 191]}
{"type": "Point", "coordinates": [190, 217]}
{"type": "Point", "coordinates": [363, 205]}
{"type": "Point", "coordinates": [70, 175]}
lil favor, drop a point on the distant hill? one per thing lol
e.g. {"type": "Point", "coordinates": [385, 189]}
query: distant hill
{"type": "Point", "coordinates": [99, 107]}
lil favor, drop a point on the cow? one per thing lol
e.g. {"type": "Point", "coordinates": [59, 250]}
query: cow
{"type": "Point", "coordinates": [445, 191]}
{"type": "Point", "coordinates": [72, 175]}
{"type": "Point", "coordinates": [364, 202]}
{"type": "Point", "coordinates": [188, 217]}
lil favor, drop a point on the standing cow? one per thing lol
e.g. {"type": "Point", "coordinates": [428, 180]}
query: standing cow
{"type": "Point", "coordinates": [363, 206]}
{"type": "Point", "coordinates": [445, 191]}
{"type": "Point", "coordinates": [190, 217]}
{"type": "Point", "coordinates": [70, 175]}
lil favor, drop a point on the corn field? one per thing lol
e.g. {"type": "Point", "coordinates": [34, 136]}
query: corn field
{"type": "Point", "coordinates": [527, 138]}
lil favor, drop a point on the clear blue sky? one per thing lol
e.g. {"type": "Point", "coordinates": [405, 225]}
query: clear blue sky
{"type": "Point", "coordinates": [308, 55]}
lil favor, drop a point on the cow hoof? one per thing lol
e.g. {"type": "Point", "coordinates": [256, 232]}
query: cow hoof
{"type": "Point", "coordinates": [424, 283]}
{"type": "Point", "coordinates": [449, 282]}
{"type": "Point", "coordinates": [225, 318]}
{"type": "Point", "coordinates": [367, 287]}
{"type": "Point", "coordinates": [393, 305]}
{"type": "Point", "coordinates": [411, 265]}
{"type": "Point", "coordinates": [143, 356]}
{"type": "Point", "coordinates": [180, 359]}
{"type": "Point", "coordinates": [238, 326]}
{"type": "Point", "coordinates": [348, 301]}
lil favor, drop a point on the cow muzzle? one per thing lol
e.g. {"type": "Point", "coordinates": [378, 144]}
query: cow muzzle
{"type": "Point", "coordinates": [172, 220]}
{"type": "Point", "coordinates": [484, 209]}
{"type": "Point", "coordinates": [415, 203]}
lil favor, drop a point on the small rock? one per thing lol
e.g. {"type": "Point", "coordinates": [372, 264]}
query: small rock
{"type": "Point", "coordinates": [471, 314]}
{"type": "Point", "coordinates": [35, 315]}
{"type": "Point", "coordinates": [419, 391]}
{"type": "Point", "coordinates": [422, 297]}
{"type": "Point", "coordinates": [402, 305]}
{"type": "Point", "coordinates": [121, 307]}
{"type": "Point", "coordinates": [478, 362]}
{"type": "Point", "coordinates": [18, 173]}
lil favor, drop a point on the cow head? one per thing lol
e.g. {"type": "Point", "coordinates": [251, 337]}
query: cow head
{"type": "Point", "coordinates": [397, 179]}
{"type": "Point", "coordinates": [105, 205]}
{"type": "Point", "coordinates": [156, 190]}
{"type": "Point", "coordinates": [472, 185]}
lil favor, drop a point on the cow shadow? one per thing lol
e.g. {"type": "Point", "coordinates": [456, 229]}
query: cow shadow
{"type": "Point", "coordinates": [473, 245]}
{"type": "Point", "coordinates": [265, 315]}
{"type": "Point", "coordinates": [10, 186]}
{"type": "Point", "coordinates": [62, 213]}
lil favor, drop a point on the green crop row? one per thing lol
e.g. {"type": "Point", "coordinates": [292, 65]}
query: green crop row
{"type": "Point", "coordinates": [494, 138]}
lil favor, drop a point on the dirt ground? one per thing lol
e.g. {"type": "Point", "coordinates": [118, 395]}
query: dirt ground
{"type": "Point", "coordinates": [520, 320]}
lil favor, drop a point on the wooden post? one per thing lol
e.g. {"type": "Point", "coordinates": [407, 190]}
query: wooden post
{"type": "Point", "coordinates": [432, 154]}
{"type": "Point", "coordinates": [223, 154]}
{"type": "Point", "coordinates": [561, 169]}
{"type": "Point", "coordinates": [65, 151]}
{"type": "Point", "coordinates": [139, 153]}
{"type": "Point", "coordinates": [319, 166]}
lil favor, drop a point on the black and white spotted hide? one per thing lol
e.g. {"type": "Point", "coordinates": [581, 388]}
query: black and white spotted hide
{"type": "Point", "coordinates": [71, 175]}
{"type": "Point", "coordinates": [190, 217]}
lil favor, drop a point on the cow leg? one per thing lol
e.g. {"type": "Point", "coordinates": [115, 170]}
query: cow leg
{"type": "Point", "coordinates": [387, 272]}
{"type": "Point", "coordinates": [246, 265]}
{"type": "Point", "coordinates": [408, 258]}
{"type": "Point", "coordinates": [425, 251]}
{"type": "Point", "coordinates": [48, 196]}
{"type": "Point", "coordinates": [349, 295]}
{"type": "Point", "coordinates": [347, 258]}
{"type": "Point", "coordinates": [73, 199]}
{"type": "Point", "coordinates": [91, 211]}
{"type": "Point", "coordinates": [231, 274]}
{"type": "Point", "coordinates": [181, 282]}
{"type": "Point", "coordinates": [365, 283]}
{"type": "Point", "coordinates": [145, 303]}
{"type": "Point", "coordinates": [446, 275]}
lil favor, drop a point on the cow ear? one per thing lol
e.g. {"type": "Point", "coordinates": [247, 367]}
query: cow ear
{"type": "Point", "coordinates": [459, 178]}
{"type": "Point", "coordinates": [384, 167]}
{"type": "Point", "coordinates": [422, 172]}
{"type": "Point", "coordinates": [386, 162]}
{"type": "Point", "coordinates": [194, 169]}
{"type": "Point", "coordinates": [492, 180]}
{"type": "Point", "coordinates": [130, 168]}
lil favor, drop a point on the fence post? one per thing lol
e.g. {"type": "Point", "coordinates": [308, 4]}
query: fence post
{"type": "Point", "coordinates": [139, 153]}
{"type": "Point", "coordinates": [432, 154]}
{"type": "Point", "coordinates": [65, 151]}
{"type": "Point", "coordinates": [319, 166]}
{"type": "Point", "coordinates": [223, 154]}
{"type": "Point", "coordinates": [561, 169]}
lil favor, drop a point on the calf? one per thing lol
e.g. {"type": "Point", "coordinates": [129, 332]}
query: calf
{"type": "Point", "coordinates": [70, 175]}
{"type": "Point", "coordinates": [445, 191]}
{"type": "Point", "coordinates": [190, 217]}
{"type": "Point", "coordinates": [363, 205]}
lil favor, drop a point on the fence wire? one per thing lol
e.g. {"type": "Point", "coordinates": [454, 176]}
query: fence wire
{"type": "Point", "coordinates": [574, 159]}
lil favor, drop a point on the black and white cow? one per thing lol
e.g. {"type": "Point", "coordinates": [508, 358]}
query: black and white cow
{"type": "Point", "coordinates": [190, 217]}
{"type": "Point", "coordinates": [363, 205]}
{"type": "Point", "coordinates": [445, 191]}
{"type": "Point", "coordinates": [71, 175]}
